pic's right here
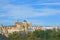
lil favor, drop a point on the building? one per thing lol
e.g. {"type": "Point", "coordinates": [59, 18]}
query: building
{"type": "Point", "coordinates": [22, 26]}
{"type": "Point", "coordinates": [17, 27]}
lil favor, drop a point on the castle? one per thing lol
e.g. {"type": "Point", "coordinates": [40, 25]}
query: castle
{"type": "Point", "coordinates": [21, 26]}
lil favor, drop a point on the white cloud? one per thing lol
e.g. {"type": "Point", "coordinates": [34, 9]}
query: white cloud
{"type": "Point", "coordinates": [38, 23]}
{"type": "Point", "coordinates": [4, 2]}
{"type": "Point", "coordinates": [4, 21]}
{"type": "Point", "coordinates": [24, 11]}
{"type": "Point", "coordinates": [51, 3]}
{"type": "Point", "coordinates": [47, 12]}
{"type": "Point", "coordinates": [56, 3]}
{"type": "Point", "coordinates": [1, 15]}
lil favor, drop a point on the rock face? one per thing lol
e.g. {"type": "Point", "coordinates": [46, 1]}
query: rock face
{"type": "Point", "coordinates": [2, 37]}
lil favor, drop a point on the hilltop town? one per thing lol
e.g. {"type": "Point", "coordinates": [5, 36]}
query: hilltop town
{"type": "Point", "coordinates": [22, 26]}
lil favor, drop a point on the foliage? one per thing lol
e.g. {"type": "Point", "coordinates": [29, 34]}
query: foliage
{"type": "Point", "coordinates": [37, 35]}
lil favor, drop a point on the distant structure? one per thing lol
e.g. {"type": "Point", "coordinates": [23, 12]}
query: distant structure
{"type": "Point", "coordinates": [21, 26]}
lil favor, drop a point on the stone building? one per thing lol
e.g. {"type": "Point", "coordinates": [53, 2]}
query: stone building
{"type": "Point", "coordinates": [19, 26]}
{"type": "Point", "coordinates": [23, 25]}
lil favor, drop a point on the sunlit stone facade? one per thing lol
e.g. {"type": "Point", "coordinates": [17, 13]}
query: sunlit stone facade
{"type": "Point", "coordinates": [19, 26]}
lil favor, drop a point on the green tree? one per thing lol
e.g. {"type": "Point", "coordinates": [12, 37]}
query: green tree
{"type": "Point", "coordinates": [14, 36]}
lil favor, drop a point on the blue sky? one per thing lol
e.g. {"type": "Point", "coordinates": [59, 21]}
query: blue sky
{"type": "Point", "coordinates": [39, 12]}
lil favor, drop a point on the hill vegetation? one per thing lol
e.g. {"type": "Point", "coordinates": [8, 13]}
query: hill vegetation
{"type": "Point", "coordinates": [36, 35]}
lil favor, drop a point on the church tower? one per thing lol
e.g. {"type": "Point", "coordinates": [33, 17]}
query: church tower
{"type": "Point", "coordinates": [25, 25]}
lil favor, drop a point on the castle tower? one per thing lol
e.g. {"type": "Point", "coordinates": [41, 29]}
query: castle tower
{"type": "Point", "coordinates": [25, 25]}
{"type": "Point", "coordinates": [17, 24]}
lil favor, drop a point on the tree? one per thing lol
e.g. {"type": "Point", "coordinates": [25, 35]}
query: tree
{"type": "Point", "coordinates": [39, 34]}
{"type": "Point", "coordinates": [14, 36]}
